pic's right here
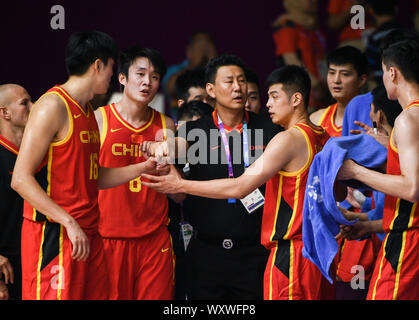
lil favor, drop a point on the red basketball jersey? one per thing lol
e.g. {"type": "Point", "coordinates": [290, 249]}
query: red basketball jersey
{"type": "Point", "coordinates": [399, 215]}
{"type": "Point", "coordinates": [71, 171]}
{"type": "Point", "coordinates": [396, 275]}
{"type": "Point", "coordinates": [284, 196]}
{"type": "Point", "coordinates": [130, 210]}
{"type": "Point", "coordinates": [327, 121]}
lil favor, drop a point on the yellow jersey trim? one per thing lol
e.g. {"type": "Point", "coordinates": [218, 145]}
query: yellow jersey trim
{"type": "Point", "coordinates": [278, 203]}
{"type": "Point", "coordinates": [307, 164]}
{"type": "Point", "coordinates": [323, 116]}
{"type": "Point", "coordinates": [332, 118]}
{"type": "Point", "coordinates": [75, 102]}
{"type": "Point", "coordinates": [294, 210]}
{"type": "Point", "coordinates": [393, 147]}
{"type": "Point", "coordinates": [163, 123]}
{"type": "Point", "coordinates": [291, 271]}
{"type": "Point", "coordinates": [271, 273]}
{"type": "Point", "coordinates": [70, 121]}
{"type": "Point", "coordinates": [38, 271]}
{"type": "Point", "coordinates": [130, 127]}
{"type": "Point", "coordinates": [9, 147]}
{"type": "Point", "coordinates": [104, 125]}
{"type": "Point", "coordinates": [61, 265]}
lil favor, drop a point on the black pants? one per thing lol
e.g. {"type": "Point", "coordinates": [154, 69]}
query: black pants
{"type": "Point", "coordinates": [215, 273]}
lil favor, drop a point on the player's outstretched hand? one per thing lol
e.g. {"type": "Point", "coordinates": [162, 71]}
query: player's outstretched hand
{"type": "Point", "coordinates": [168, 183]}
{"type": "Point", "coordinates": [381, 135]}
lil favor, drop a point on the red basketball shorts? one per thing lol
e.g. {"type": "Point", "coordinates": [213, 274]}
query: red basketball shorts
{"type": "Point", "coordinates": [358, 253]}
{"type": "Point", "coordinates": [50, 273]}
{"type": "Point", "coordinates": [290, 276]}
{"type": "Point", "coordinates": [396, 273]}
{"type": "Point", "coordinates": [141, 268]}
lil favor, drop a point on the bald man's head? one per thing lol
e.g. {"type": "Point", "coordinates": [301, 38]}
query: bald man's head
{"type": "Point", "coordinates": [15, 104]}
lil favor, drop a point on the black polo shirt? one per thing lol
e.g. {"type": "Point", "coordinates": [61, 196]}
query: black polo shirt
{"type": "Point", "coordinates": [216, 218]}
{"type": "Point", "coordinates": [11, 204]}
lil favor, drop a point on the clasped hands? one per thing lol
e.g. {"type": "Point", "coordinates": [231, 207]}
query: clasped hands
{"type": "Point", "coordinates": [165, 178]}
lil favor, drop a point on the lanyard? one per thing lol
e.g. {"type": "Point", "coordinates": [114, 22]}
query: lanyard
{"type": "Point", "coordinates": [227, 149]}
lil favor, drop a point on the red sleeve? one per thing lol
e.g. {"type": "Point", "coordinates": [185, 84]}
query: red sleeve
{"type": "Point", "coordinates": [285, 40]}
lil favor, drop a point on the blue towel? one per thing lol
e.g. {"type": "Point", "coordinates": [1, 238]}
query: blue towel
{"type": "Point", "coordinates": [321, 216]}
{"type": "Point", "coordinates": [357, 109]}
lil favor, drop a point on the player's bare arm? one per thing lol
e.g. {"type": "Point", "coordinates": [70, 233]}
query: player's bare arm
{"type": "Point", "coordinates": [47, 123]}
{"type": "Point", "coordinates": [316, 115]}
{"type": "Point", "coordinates": [277, 156]}
{"type": "Point", "coordinates": [406, 185]}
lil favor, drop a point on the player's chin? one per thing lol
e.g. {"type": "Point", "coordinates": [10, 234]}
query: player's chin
{"type": "Point", "coordinates": [102, 90]}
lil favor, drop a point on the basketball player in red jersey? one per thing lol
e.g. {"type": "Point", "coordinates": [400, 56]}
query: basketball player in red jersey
{"type": "Point", "coordinates": [347, 73]}
{"type": "Point", "coordinates": [284, 165]}
{"type": "Point", "coordinates": [396, 273]}
{"type": "Point", "coordinates": [58, 175]}
{"type": "Point", "coordinates": [134, 218]}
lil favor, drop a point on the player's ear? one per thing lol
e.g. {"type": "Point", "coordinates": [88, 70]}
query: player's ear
{"type": "Point", "coordinates": [296, 99]}
{"type": "Point", "coordinates": [362, 80]}
{"type": "Point", "coordinates": [98, 65]}
{"type": "Point", "coordinates": [393, 73]}
{"type": "Point", "coordinates": [122, 79]}
{"type": "Point", "coordinates": [4, 113]}
{"type": "Point", "coordinates": [382, 119]}
{"type": "Point", "coordinates": [210, 89]}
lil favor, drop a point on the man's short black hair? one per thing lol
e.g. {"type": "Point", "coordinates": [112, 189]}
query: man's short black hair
{"type": "Point", "coordinates": [252, 77]}
{"type": "Point", "coordinates": [390, 108]}
{"type": "Point", "coordinates": [293, 79]}
{"type": "Point", "coordinates": [404, 56]}
{"type": "Point", "coordinates": [349, 55]}
{"type": "Point", "coordinates": [193, 108]}
{"type": "Point", "coordinates": [221, 61]}
{"type": "Point", "coordinates": [83, 48]}
{"type": "Point", "coordinates": [397, 35]}
{"type": "Point", "coordinates": [187, 80]}
{"type": "Point", "coordinates": [128, 56]}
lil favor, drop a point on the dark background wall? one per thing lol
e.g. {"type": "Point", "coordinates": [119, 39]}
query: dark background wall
{"type": "Point", "coordinates": [32, 53]}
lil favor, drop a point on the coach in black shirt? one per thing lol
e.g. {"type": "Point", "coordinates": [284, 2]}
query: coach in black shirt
{"type": "Point", "coordinates": [15, 103]}
{"type": "Point", "coordinates": [225, 259]}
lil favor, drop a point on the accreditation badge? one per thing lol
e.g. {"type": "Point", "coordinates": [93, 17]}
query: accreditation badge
{"type": "Point", "coordinates": [186, 231]}
{"type": "Point", "coordinates": [253, 201]}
